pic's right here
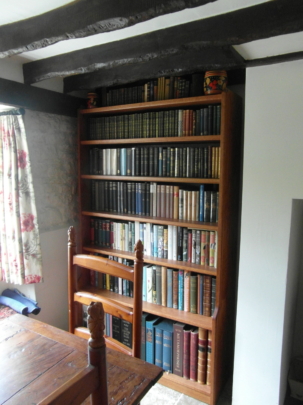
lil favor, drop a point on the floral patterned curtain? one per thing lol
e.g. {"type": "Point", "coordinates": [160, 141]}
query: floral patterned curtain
{"type": "Point", "coordinates": [20, 252]}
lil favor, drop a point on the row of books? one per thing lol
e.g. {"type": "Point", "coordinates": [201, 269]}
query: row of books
{"type": "Point", "coordinates": [185, 161]}
{"type": "Point", "coordinates": [111, 283]}
{"type": "Point", "coordinates": [163, 88]}
{"type": "Point", "coordinates": [181, 349]}
{"type": "Point", "coordinates": [155, 200]}
{"type": "Point", "coordinates": [179, 289]}
{"type": "Point", "coordinates": [163, 241]}
{"type": "Point", "coordinates": [172, 288]}
{"type": "Point", "coordinates": [157, 124]}
{"type": "Point", "coordinates": [118, 329]}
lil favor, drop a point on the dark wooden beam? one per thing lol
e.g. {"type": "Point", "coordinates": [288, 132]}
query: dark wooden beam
{"type": "Point", "coordinates": [245, 25]}
{"type": "Point", "coordinates": [37, 99]}
{"type": "Point", "coordinates": [288, 57]}
{"type": "Point", "coordinates": [171, 65]}
{"type": "Point", "coordinates": [82, 18]}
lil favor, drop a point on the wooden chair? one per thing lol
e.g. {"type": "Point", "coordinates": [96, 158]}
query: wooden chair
{"type": "Point", "coordinates": [92, 381]}
{"type": "Point", "coordinates": [80, 292]}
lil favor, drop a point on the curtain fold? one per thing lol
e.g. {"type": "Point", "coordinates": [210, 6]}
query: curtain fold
{"type": "Point", "coordinates": [20, 252]}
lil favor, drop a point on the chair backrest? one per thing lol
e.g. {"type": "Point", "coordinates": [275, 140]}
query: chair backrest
{"type": "Point", "coordinates": [92, 381]}
{"type": "Point", "coordinates": [123, 311]}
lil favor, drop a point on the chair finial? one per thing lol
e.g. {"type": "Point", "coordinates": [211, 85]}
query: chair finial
{"type": "Point", "coordinates": [139, 250]}
{"type": "Point", "coordinates": [71, 236]}
{"type": "Point", "coordinates": [95, 323]}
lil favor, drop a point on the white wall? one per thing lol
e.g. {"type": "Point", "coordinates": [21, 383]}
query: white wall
{"type": "Point", "coordinates": [272, 178]}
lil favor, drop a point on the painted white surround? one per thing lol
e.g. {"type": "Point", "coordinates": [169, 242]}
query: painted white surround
{"type": "Point", "coordinates": [272, 179]}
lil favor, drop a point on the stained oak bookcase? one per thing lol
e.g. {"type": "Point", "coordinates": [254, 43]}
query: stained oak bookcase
{"type": "Point", "coordinates": [222, 321]}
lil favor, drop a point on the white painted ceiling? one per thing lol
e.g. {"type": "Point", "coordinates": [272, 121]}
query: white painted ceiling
{"type": "Point", "coordinates": [15, 10]}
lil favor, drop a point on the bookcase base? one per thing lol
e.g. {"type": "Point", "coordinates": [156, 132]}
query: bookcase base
{"type": "Point", "coordinates": [187, 387]}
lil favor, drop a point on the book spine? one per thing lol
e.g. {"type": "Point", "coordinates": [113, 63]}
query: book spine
{"type": "Point", "coordinates": [209, 358]}
{"type": "Point", "coordinates": [181, 290]}
{"type": "Point", "coordinates": [202, 355]}
{"type": "Point", "coordinates": [175, 288]}
{"type": "Point", "coordinates": [158, 347]}
{"type": "Point", "coordinates": [169, 288]}
{"type": "Point", "coordinates": [178, 349]}
{"type": "Point", "coordinates": [164, 286]}
{"type": "Point", "coordinates": [186, 353]}
{"type": "Point", "coordinates": [167, 351]}
{"type": "Point", "coordinates": [193, 361]}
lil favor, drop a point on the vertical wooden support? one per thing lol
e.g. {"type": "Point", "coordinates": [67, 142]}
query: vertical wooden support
{"type": "Point", "coordinates": [97, 351]}
{"type": "Point", "coordinates": [138, 266]}
{"type": "Point", "coordinates": [71, 249]}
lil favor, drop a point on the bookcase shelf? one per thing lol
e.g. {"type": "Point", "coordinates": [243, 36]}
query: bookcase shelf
{"type": "Point", "coordinates": [170, 140]}
{"type": "Point", "coordinates": [154, 260]}
{"type": "Point", "coordinates": [220, 325]}
{"type": "Point", "coordinates": [154, 179]}
{"type": "Point", "coordinates": [154, 220]}
{"type": "Point", "coordinates": [91, 293]}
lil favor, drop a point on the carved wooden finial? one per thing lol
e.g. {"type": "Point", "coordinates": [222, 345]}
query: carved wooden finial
{"type": "Point", "coordinates": [71, 236]}
{"type": "Point", "coordinates": [139, 250]}
{"type": "Point", "coordinates": [95, 323]}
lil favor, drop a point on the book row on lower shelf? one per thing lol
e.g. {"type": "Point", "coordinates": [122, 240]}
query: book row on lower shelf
{"type": "Point", "coordinates": [178, 348]}
{"type": "Point", "coordinates": [158, 124]}
{"type": "Point", "coordinates": [170, 242]}
{"type": "Point", "coordinates": [155, 200]}
{"type": "Point", "coordinates": [157, 161]}
{"type": "Point", "coordinates": [172, 288]}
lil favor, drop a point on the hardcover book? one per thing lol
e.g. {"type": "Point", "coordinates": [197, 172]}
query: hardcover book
{"type": "Point", "coordinates": [202, 355]}
{"type": "Point", "coordinates": [178, 349]}
{"type": "Point", "coordinates": [193, 362]}
{"type": "Point", "coordinates": [186, 351]}
{"type": "Point", "coordinates": [150, 338]}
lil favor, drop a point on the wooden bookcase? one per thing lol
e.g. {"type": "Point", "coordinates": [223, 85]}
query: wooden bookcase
{"type": "Point", "coordinates": [222, 321]}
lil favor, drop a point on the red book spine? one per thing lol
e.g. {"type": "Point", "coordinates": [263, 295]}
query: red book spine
{"type": "Point", "coordinates": [202, 355]}
{"type": "Point", "coordinates": [193, 361]}
{"type": "Point", "coordinates": [186, 352]}
{"type": "Point", "coordinates": [208, 373]}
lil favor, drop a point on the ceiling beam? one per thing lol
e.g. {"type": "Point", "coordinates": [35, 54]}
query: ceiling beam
{"type": "Point", "coordinates": [37, 99]}
{"type": "Point", "coordinates": [82, 18]}
{"type": "Point", "coordinates": [181, 63]}
{"type": "Point", "coordinates": [270, 60]}
{"type": "Point", "coordinates": [240, 26]}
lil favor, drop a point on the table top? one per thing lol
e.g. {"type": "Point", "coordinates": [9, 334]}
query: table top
{"type": "Point", "coordinates": [37, 358]}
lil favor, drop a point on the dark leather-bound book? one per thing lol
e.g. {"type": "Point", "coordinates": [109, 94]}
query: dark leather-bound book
{"type": "Point", "coordinates": [178, 348]}
{"type": "Point", "coordinates": [193, 357]}
{"type": "Point", "coordinates": [202, 355]}
{"type": "Point", "coordinates": [207, 296]}
{"type": "Point", "coordinates": [186, 351]}
{"type": "Point", "coordinates": [126, 333]}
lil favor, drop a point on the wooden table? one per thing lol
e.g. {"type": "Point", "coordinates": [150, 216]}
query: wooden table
{"type": "Point", "coordinates": [37, 358]}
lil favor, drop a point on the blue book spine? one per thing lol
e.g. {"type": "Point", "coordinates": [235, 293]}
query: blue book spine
{"type": "Point", "coordinates": [181, 290]}
{"type": "Point", "coordinates": [169, 293]}
{"type": "Point", "coordinates": [150, 339]}
{"type": "Point", "coordinates": [167, 351]}
{"type": "Point", "coordinates": [155, 252]}
{"type": "Point", "coordinates": [144, 285]}
{"type": "Point", "coordinates": [201, 203]}
{"type": "Point", "coordinates": [158, 347]}
{"type": "Point", "coordinates": [143, 336]}
{"type": "Point", "coordinates": [123, 161]}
